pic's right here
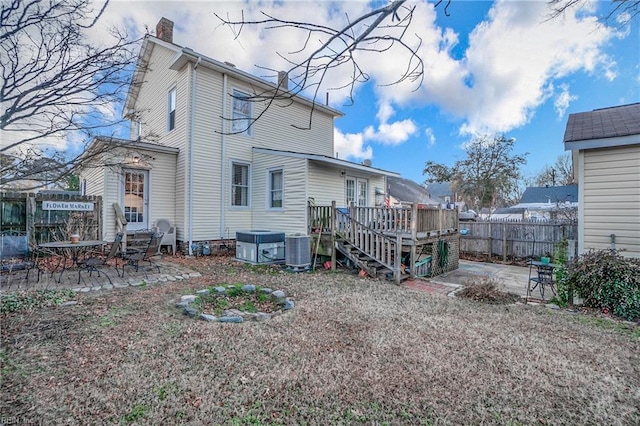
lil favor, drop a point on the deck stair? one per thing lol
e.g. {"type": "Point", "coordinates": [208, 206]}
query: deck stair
{"type": "Point", "coordinates": [368, 249]}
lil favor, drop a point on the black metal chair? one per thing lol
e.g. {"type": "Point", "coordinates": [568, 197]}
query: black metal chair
{"type": "Point", "coordinates": [94, 263]}
{"type": "Point", "coordinates": [133, 256]}
{"type": "Point", "coordinates": [541, 278]}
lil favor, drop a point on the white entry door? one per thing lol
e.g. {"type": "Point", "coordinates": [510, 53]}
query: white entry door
{"type": "Point", "coordinates": [135, 200]}
{"type": "Point", "coordinates": [356, 191]}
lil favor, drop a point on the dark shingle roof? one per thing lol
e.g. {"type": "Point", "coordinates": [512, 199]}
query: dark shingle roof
{"type": "Point", "coordinates": [550, 194]}
{"type": "Point", "coordinates": [611, 122]}
{"type": "Point", "coordinates": [408, 191]}
{"type": "Point", "coordinates": [439, 189]}
{"type": "Point", "coordinates": [509, 210]}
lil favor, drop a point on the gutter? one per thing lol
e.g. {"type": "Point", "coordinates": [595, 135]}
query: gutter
{"type": "Point", "coordinates": [223, 156]}
{"type": "Point", "coordinates": [191, 140]}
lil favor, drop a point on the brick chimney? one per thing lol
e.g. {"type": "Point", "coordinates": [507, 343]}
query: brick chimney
{"type": "Point", "coordinates": [164, 30]}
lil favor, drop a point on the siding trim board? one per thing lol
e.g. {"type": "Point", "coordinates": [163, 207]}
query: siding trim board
{"type": "Point", "coordinates": [328, 160]}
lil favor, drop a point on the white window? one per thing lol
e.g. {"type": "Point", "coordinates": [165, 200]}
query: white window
{"type": "Point", "coordinates": [83, 187]}
{"type": "Point", "coordinates": [138, 129]}
{"type": "Point", "coordinates": [241, 119]}
{"type": "Point", "coordinates": [240, 185]}
{"type": "Point", "coordinates": [276, 189]}
{"type": "Point", "coordinates": [171, 119]}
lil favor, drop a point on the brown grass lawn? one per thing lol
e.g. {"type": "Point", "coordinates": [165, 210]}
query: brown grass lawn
{"type": "Point", "coordinates": [352, 351]}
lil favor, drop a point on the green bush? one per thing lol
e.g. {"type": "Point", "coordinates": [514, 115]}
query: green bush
{"type": "Point", "coordinates": [564, 290]}
{"type": "Point", "coordinates": [606, 280]}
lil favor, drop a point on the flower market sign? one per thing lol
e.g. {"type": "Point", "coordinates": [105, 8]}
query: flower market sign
{"type": "Point", "coordinates": [67, 205]}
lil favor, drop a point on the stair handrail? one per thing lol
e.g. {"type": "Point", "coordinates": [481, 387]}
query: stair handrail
{"type": "Point", "coordinates": [386, 252]}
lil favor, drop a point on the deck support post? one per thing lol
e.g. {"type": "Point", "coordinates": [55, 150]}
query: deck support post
{"type": "Point", "coordinates": [414, 238]}
{"type": "Point", "coordinates": [397, 258]}
{"type": "Point", "coordinates": [334, 221]}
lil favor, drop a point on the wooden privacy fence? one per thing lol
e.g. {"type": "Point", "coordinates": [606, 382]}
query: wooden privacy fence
{"type": "Point", "coordinates": [517, 240]}
{"type": "Point", "coordinates": [51, 217]}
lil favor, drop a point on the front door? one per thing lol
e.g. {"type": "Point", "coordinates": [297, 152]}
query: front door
{"type": "Point", "coordinates": [135, 200]}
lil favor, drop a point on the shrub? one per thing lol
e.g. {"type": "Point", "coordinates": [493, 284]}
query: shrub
{"type": "Point", "coordinates": [606, 280]}
{"type": "Point", "coordinates": [564, 289]}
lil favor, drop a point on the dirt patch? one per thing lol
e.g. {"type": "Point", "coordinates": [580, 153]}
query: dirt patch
{"type": "Point", "coordinates": [486, 290]}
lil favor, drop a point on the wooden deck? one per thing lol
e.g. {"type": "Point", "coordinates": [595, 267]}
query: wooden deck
{"type": "Point", "coordinates": [390, 242]}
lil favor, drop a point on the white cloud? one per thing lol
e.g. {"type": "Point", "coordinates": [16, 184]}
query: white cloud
{"type": "Point", "coordinates": [428, 132]}
{"type": "Point", "coordinates": [563, 99]}
{"type": "Point", "coordinates": [509, 69]}
{"type": "Point", "coordinates": [350, 146]}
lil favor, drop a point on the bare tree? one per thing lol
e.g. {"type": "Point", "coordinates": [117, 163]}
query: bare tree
{"type": "Point", "coordinates": [489, 175]}
{"type": "Point", "coordinates": [560, 173]}
{"type": "Point", "coordinates": [378, 31]}
{"type": "Point", "coordinates": [56, 84]}
{"type": "Point", "coordinates": [623, 11]}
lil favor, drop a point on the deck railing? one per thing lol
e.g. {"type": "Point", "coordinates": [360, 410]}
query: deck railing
{"type": "Point", "coordinates": [396, 220]}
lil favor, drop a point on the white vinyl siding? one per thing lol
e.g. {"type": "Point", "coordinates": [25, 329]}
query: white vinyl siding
{"type": "Point", "coordinates": [152, 109]}
{"type": "Point", "coordinates": [283, 127]}
{"type": "Point", "coordinates": [610, 199]}
{"type": "Point", "coordinates": [293, 217]}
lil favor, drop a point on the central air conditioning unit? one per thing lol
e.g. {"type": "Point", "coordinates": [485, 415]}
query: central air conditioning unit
{"type": "Point", "coordinates": [298, 251]}
{"type": "Point", "coordinates": [260, 247]}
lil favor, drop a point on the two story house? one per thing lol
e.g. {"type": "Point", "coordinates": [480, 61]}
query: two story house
{"type": "Point", "coordinates": [198, 157]}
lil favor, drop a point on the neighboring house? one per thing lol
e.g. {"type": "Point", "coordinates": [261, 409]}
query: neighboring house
{"type": "Point", "coordinates": [202, 167]}
{"type": "Point", "coordinates": [447, 194]}
{"type": "Point", "coordinates": [605, 144]}
{"type": "Point", "coordinates": [549, 202]}
{"type": "Point", "coordinates": [402, 192]}
{"type": "Point", "coordinates": [505, 213]}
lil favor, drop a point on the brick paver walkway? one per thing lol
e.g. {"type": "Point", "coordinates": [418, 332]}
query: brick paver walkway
{"type": "Point", "coordinates": [429, 287]}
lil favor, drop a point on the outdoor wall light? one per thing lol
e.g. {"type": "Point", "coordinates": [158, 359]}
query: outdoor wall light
{"type": "Point", "coordinates": [136, 159]}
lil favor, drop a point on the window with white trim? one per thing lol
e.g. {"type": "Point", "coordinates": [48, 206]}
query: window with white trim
{"type": "Point", "coordinates": [138, 129]}
{"type": "Point", "coordinates": [171, 102]}
{"type": "Point", "coordinates": [276, 189]}
{"type": "Point", "coordinates": [240, 185]}
{"type": "Point", "coordinates": [241, 114]}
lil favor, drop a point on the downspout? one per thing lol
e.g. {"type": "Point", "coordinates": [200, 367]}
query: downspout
{"type": "Point", "coordinates": [191, 138]}
{"type": "Point", "coordinates": [223, 168]}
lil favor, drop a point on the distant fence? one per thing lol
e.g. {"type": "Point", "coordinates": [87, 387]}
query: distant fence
{"type": "Point", "coordinates": [516, 239]}
{"type": "Point", "coordinates": [51, 217]}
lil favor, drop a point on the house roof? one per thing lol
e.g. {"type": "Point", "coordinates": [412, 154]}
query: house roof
{"type": "Point", "coordinates": [408, 191]}
{"type": "Point", "coordinates": [186, 54]}
{"type": "Point", "coordinates": [549, 194]}
{"type": "Point", "coordinates": [613, 126]}
{"type": "Point", "coordinates": [329, 160]}
{"type": "Point", "coordinates": [439, 189]}
{"type": "Point", "coordinates": [509, 210]}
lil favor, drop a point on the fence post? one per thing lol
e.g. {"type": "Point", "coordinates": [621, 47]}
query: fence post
{"type": "Point", "coordinates": [30, 209]}
{"type": "Point", "coordinates": [504, 242]}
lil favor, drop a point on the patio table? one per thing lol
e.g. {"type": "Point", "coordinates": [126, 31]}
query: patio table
{"type": "Point", "coordinates": [72, 251]}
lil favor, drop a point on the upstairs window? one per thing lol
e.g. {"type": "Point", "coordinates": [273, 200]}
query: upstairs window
{"type": "Point", "coordinates": [241, 119]}
{"type": "Point", "coordinates": [171, 119]}
{"type": "Point", "coordinates": [276, 185]}
{"type": "Point", "coordinates": [240, 185]}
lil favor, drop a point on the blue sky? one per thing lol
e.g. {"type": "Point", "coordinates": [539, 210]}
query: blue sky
{"type": "Point", "coordinates": [491, 67]}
